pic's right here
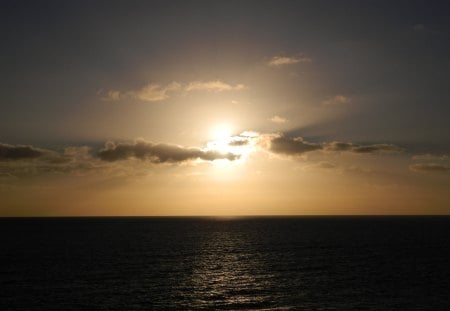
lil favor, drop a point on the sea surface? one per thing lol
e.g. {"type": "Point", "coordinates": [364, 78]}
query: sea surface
{"type": "Point", "coordinates": [260, 263]}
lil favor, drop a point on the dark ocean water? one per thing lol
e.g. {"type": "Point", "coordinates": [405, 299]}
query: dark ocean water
{"type": "Point", "coordinates": [309, 263]}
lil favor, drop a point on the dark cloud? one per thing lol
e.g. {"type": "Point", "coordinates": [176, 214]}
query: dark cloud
{"type": "Point", "coordinates": [292, 146]}
{"type": "Point", "coordinates": [374, 148]}
{"type": "Point", "coordinates": [158, 153]}
{"type": "Point", "coordinates": [17, 152]}
{"type": "Point", "coordinates": [430, 167]}
{"type": "Point", "coordinates": [24, 161]}
{"type": "Point", "coordinates": [27, 161]}
{"type": "Point", "coordinates": [339, 146]}
{"type": "Point", "coordinates": [297, 146]}
{"type": "Point", "coordinates": [237, 143]}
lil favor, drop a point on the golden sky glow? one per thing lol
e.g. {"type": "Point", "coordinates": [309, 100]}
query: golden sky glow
{"type": "Point", "coordinates": [284, 111]}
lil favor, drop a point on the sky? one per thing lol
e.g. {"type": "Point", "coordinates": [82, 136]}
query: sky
{"type": "Point", "coordinates": [115, 108]}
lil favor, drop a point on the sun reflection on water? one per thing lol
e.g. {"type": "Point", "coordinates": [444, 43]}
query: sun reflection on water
{"type": "Point", "coordinates": [227, 272]}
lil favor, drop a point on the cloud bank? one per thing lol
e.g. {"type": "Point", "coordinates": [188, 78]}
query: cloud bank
{"type": "Point", "coordinates": [158, 153]}
{"type": "Point", "coordinates": [374, 148]}
{"type": "Point", "coordinates": [18, 152]}
{"type": "Point", "coordinates": [292, 146]}
{"type": "Point", "coordinates": [17, 161]}
{"type": "Point", "coordinates": [298, 146]}
{"type": "Point", "coordinates": [23, 161]}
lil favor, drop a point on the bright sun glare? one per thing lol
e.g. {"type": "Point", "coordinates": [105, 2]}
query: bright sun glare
{"type": "Point", "coordinates": [224, 141]}
{"type": "Point", "coordinates": [221, 138]}
{"type": "Point", "coordinates": [222, 132]}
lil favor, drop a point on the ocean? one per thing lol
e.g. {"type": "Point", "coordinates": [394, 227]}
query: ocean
{"type": "Point", "coordinates": [247, 263]}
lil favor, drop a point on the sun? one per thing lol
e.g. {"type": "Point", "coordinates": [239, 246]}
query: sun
{"type": "Point", "coordinates": [224, 141]}
{"type": "Point", "coordinates": [221, 137]}
{"type": "Point", "coordinates": [222, 132]}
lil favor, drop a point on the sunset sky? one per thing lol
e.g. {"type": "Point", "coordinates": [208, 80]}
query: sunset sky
{"type": "Point", "coordinates": [224, 108]}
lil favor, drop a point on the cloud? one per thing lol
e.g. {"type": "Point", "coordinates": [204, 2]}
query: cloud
{"type": "Point", "coordinates": [215, 86]}
{"type": "Point", "coordinates": [374, 148]}
{"type": "Point", "coordinates": [430, 167]}
{"type": "Point", "coordinates": [278, 61]}
{"type": "Point", "coordinates": [18, 152]}
{"type": "Point", "coordinates": [248, 138]}
{"type": "Point", "coordinates": [149, 93]}
{"type": "Point", "coordinates": [292, 146]}
{"type": "Point", "coordinates": [22, 161]}
{"type": "Point", "coordinates": [278, 120]}
{"type": "Point", "coordinates": [336, 100]}
{"type": "Point", "coordinates": [339, 146]}
{"type": "Point", "coordinates": [377, 148]}
{"type": "Point", "coordinates": [27, 153]}
{"type": "Point", "coordinates": [32, 161]}
{"type": "Point", "coordinates": [158, 153]}
{"type": "Point", "coordinates": [155, 92]}
{"type": "Point", "coordinates": [298, 146]}
{"type": "Point", "coordinates": [239, 142]}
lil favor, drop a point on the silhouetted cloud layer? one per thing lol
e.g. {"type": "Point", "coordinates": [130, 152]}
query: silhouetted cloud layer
{"type": "Point", "coordinates": [239, 141]}
{"type": "Point", "coordinates": [158, 153]}
{"type": "Point", "coordinates": [17, 152]}
{"type": "Point", "coordinates": [21, 161]}
{"type": "Point", "coordinates": [18, 162]}
{"type": "Point", "coordinates": [374, 148]}
{"type": "Point", "coordinates": [298, 146]}
{"type": "Point", "coordinates": [292, 146]}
